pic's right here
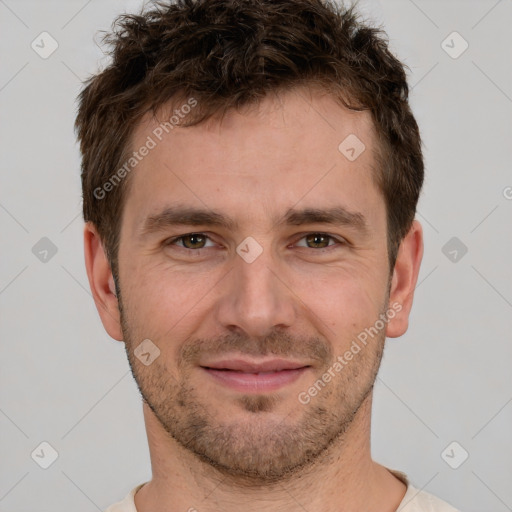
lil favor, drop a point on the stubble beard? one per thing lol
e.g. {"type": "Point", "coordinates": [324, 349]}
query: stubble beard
{"type": "Point", "coordinates": [262, 447]}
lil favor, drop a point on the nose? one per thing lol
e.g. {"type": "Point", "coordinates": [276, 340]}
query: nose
{"type": "Point", "coordinates": [255, 298]}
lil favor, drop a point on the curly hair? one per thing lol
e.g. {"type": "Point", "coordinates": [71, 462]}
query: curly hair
{"type": "Point", "coordinates": [231, 53]}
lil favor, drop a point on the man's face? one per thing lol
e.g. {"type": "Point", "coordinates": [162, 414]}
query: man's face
{"type": "Point", "coordinates": [216, 313]}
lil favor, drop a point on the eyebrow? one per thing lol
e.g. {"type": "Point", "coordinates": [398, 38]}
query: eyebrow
{"type": "Point", "coordinates": [190, 216]}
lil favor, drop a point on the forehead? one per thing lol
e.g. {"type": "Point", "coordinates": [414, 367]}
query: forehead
{"type": "Point", "coordinates": [296, 147]}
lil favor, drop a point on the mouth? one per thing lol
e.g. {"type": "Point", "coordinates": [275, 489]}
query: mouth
{"type": "Point", "coordinates": [255, 377]}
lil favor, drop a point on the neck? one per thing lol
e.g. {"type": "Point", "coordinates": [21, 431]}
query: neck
{"type": "Point", "coordinates": [343, 479]}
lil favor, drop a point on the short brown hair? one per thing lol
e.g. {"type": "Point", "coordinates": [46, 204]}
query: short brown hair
{"type": "Point", "coordinates": [230, 53]}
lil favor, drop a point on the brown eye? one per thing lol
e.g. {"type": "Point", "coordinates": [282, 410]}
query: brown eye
{"type": "Point", "coordinates": [191, 241]}
{"type": "Point", "coordinates": [194, 241]}
{"type": "Point", "coordinates": [321, 242]}
{"type": "Point", "coordinates": [318, 240]}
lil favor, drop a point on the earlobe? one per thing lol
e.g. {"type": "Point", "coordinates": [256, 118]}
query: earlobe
{"type": "Point", "coordinates": [405, 277]}
{"type": "Point", "coordinates": [101, 282]}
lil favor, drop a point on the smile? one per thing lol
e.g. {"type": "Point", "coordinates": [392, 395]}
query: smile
{"type": "Point", "coordinates": [255, 378]}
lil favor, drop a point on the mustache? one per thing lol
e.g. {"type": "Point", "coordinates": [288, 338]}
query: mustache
{"type": "Point", "coordinates": [277, 343]}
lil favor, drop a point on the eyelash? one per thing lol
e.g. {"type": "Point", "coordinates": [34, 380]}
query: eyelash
{"type": "Point", "coordinates": [340, 241]}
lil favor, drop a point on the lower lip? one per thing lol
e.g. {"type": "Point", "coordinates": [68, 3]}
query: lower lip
{"type": "Point", "coordinates": [254, 382]}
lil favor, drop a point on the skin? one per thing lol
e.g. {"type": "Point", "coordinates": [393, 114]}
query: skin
{"type": "Point", "coordinates": [213, 448]}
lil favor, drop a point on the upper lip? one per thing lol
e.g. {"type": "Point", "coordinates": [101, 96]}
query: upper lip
{"type": "Point", "coordinates": [243, 365]}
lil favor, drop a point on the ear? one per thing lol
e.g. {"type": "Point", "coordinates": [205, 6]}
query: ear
{"type": "Point", "coordinates": [101, 282]}
{"type": "Point", "coordinates": [403, 282]}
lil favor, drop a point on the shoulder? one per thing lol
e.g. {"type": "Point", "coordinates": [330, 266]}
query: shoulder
{"type": "Point", "coordinates": [127, 504]}
{"type": "Point", "coordinates": [416, 500]}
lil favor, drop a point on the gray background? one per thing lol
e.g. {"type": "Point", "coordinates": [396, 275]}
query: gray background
{"type": "Point", "coordinates": [64, 381]}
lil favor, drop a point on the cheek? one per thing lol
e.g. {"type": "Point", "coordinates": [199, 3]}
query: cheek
{"type": "Point", "coordinates": [345, 300]}
{"type": "Point", "coordinates": [163, 301]}
{"type": "Point", "coordinates": [166, 302]}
